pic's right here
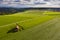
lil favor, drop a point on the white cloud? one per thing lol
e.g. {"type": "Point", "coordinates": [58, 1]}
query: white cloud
{"type": "Point", "coordinates": [32, 3]}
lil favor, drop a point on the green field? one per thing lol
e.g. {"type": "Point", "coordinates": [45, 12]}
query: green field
{"type": "Point", "coordinates": [37, 25]}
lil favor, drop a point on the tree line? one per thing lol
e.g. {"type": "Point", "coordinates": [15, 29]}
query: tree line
{"type": "Point", "coordinates": [6, 10]}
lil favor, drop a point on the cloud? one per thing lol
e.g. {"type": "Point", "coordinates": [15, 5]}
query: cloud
{"type": "Point", "coordinates": [26, 4]}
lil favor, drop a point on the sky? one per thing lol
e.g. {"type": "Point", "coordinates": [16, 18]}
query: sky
{"type": "Point", "coordinates": [29, 3]}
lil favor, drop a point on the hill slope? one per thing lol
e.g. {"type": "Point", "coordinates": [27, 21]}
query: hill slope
{"type": "Point", "coordinates": [37, 26]}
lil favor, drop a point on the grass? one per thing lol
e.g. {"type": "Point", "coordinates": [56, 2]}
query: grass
{"type": "Point", "coordinates": [52, 13]}
{"type": "Point", "coordinates": [27, 19]}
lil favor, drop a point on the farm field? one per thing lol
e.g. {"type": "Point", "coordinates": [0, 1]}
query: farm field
{"type": "Point", "coordinates": [37, 25]}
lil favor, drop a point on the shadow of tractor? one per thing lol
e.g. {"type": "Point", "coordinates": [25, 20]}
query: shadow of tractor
{"type": "Point", "coordinates": [13, 30]}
